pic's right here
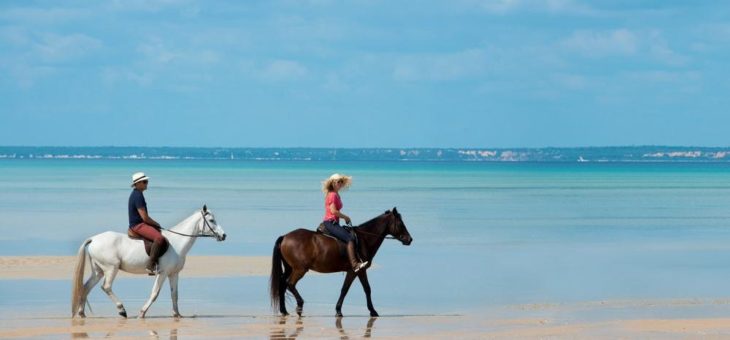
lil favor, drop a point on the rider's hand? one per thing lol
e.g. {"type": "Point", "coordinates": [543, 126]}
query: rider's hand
{"type": "Point", "coordinates": [347, 220]}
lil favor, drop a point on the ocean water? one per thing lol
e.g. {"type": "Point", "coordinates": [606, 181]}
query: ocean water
{"type": "Point", "coordinates": [486, 235]}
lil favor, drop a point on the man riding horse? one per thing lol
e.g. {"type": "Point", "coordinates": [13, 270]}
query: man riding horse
{"type": "Point", "coordinates": [142, 224]}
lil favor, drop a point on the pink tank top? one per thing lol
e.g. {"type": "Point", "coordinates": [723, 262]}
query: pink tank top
{"type": "Point", "coordinates": [332, 197]}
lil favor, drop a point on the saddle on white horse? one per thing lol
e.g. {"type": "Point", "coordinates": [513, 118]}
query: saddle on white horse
{"type": "Point", "coordinates": [147, 243]}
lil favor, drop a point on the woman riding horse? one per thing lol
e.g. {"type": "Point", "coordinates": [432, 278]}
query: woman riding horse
{"type": "Point", "coordinates": [303, 250]}
{"type": "Point", "coordinates": [333, 212]}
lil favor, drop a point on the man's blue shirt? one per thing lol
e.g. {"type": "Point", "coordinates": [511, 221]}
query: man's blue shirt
{"type": "Point", "coordinates": [136, 201]}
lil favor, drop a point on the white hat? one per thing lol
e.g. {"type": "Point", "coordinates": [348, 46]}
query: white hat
{"type": "Point", "coordinates": [138, 177]}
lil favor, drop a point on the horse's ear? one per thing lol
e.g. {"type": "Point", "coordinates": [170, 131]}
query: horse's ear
{"type": "Point", "coordinates": [395, 211]}
{"type": "Point", "coordinates": [387, 212]}
{"type": "Point", "coordinates": [205, 208]}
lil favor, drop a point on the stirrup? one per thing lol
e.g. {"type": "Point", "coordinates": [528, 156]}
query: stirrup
{"type": "Point", "coordinates": [154, 271]}
{"type": "Point", "coordinates": [359, 266]}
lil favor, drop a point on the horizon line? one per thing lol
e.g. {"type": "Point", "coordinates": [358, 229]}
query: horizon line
{"type": "Point", "coordinates": [364, 148]}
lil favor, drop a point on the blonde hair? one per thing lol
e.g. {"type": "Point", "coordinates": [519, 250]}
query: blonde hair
{"type": "Point", "coordinates": [329, 184]}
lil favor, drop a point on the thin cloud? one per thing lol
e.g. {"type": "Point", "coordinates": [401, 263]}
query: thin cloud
{"type": "Point", "coordinates": [26, 76]}
{"type": "Point", "coordinates": [144, 5]}
{"type": "Point", "coordinates": [43, 16]}
{"type": "Point", "coordinates": [602, 43]}
{"type": "Point", "coordinates": [503, 7]}
{"type": "Point", "coordinates": [660, 50]}
{"type": "Point", "coordinates": [282, 70]}
{"type": "Point", "coordinates": [30, 57]}
{"type": "Point", "coordinates": [440, 67]}
{"type": "Point", "coordinates": [157, 51]}
{"type": "Point", "coordinates": [54, 47]}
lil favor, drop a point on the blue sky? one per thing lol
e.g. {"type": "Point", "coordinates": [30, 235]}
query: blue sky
{"type": "Point", "coordinates": [318, 73]}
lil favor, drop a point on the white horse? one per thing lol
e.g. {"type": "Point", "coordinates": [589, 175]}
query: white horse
{"type": "Point", "coordinates": [110, 251]}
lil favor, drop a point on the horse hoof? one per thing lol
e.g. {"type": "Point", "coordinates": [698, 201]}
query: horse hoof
{"type": "Point", "coordinates": [284, 314]}
{"type": "Point", "coordinates": [82, 314]}
{"type": "Point", "coordinates": [338, 314]}
{"type": "Point", "coordinates": [123, 313]}
{"type": "Point", "coordinates": [374, 314]}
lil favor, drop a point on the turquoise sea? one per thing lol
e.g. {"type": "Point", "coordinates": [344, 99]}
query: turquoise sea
{"type": "Point", "coordinates": [486, 235]}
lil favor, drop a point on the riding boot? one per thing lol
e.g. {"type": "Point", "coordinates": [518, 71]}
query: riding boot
{"type": "Point", "coordinates": [154, 256]}
{"type": "Point", "coordinates": [356, 265]}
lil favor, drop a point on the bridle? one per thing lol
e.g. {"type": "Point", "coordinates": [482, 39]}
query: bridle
{"type": "Point", "coordinates": [374, 234]}
{"type": "Point", "coordinates": [205, 224]}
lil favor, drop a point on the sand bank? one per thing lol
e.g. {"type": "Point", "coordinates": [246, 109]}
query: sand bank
{"type": "Point", "coordinates": [61, 267]}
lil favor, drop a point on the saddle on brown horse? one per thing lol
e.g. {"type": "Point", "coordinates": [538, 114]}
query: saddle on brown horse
{"type": "Point", "coordinates": [147, 243]}
{"type": "Point", "coordinates": [342, 244]}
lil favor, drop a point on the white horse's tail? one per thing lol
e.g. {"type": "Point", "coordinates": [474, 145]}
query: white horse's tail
{"type": "Point", "coordinates": [77, 290]}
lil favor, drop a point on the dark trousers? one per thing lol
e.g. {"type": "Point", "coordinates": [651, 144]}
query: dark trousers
{"type": "Point", "coordinates": [335, 229]}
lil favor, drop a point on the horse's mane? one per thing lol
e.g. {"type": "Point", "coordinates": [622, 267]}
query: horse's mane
{"type": "Point", "coordinates": [372, 220]}
{"type": "Point", "coordinates": [193, 215]}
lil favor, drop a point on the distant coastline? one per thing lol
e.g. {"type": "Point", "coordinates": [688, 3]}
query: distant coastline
{"type": "Point", "coordinates": [574, 154]}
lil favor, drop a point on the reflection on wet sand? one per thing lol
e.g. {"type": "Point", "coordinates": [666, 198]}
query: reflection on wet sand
{"type": "Point", "coordinates": [78, 323]}
{"type": "Point", "coordinates": [153, 333]}
{"type": "Point", "coordinates": [279, 333]}
{"type": "Point", "coordinates": [80, 328]}
{"type": "Point", "coordinates": [368, 328]}
{"type": "Point", "coordinates": [280, 330]}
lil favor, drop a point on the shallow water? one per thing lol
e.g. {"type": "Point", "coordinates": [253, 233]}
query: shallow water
{"type": "Point", "coordinates": [485, 234]}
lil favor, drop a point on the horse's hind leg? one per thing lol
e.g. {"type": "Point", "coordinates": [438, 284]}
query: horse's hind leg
{"type": "Point", "coordinates": [282, 289]}
{"type": "Point", "coordinates": [96, 275]}
{"type": "Point", "coordinates": [110, 273]}
{"type": "Point", "coordinates": [292, 285]}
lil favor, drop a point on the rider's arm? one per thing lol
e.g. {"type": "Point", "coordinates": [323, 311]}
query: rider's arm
{"type": "Point", "coordinates": [334, 211]}
{"type": "Point", "coordinates": [147, 219]}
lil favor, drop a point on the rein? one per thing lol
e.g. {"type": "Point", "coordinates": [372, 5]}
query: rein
{"type": "Point", "coordinates": [358, 229]}
{"type": "Point", "coordinates": [374, 234]}
{"type": "Point", "coordinates": [205, 223]}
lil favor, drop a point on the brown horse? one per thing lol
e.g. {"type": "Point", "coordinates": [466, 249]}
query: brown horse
{"type": "Point", "coordinates": [302, 250]}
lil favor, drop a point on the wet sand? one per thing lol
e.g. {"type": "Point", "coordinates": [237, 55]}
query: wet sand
{"type": "Point", "coordinates": [631, 318]}
{"type": "Point", "coordinates": [421, 327]}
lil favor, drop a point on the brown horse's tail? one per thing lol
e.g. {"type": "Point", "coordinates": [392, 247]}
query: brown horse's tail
{"type": "Point", "coordinates": [277, 286]}
{"type": "Point", "coordinates": [77, 289]}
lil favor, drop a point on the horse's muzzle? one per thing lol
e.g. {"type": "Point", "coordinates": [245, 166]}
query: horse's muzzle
{"type": "Point", "coordinates": [222, 238]}
{"type": "Point", "coordinates": [406, 240]}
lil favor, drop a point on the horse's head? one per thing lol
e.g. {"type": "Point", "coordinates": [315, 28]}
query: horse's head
{"type": "Point", "coordinates": [398, 229]}
{"type": "Point", "coordinates": [209, 227]}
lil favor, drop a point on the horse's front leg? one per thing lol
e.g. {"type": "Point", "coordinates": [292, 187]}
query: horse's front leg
{"type": "Point", "coordinates": [159, 281]}
{"type": "Point", "coordinates": [173, 293]}
{"type": "Point", "coordinates": [363, 276]}
{"type": "Point", "coordinates": [345, 287]}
